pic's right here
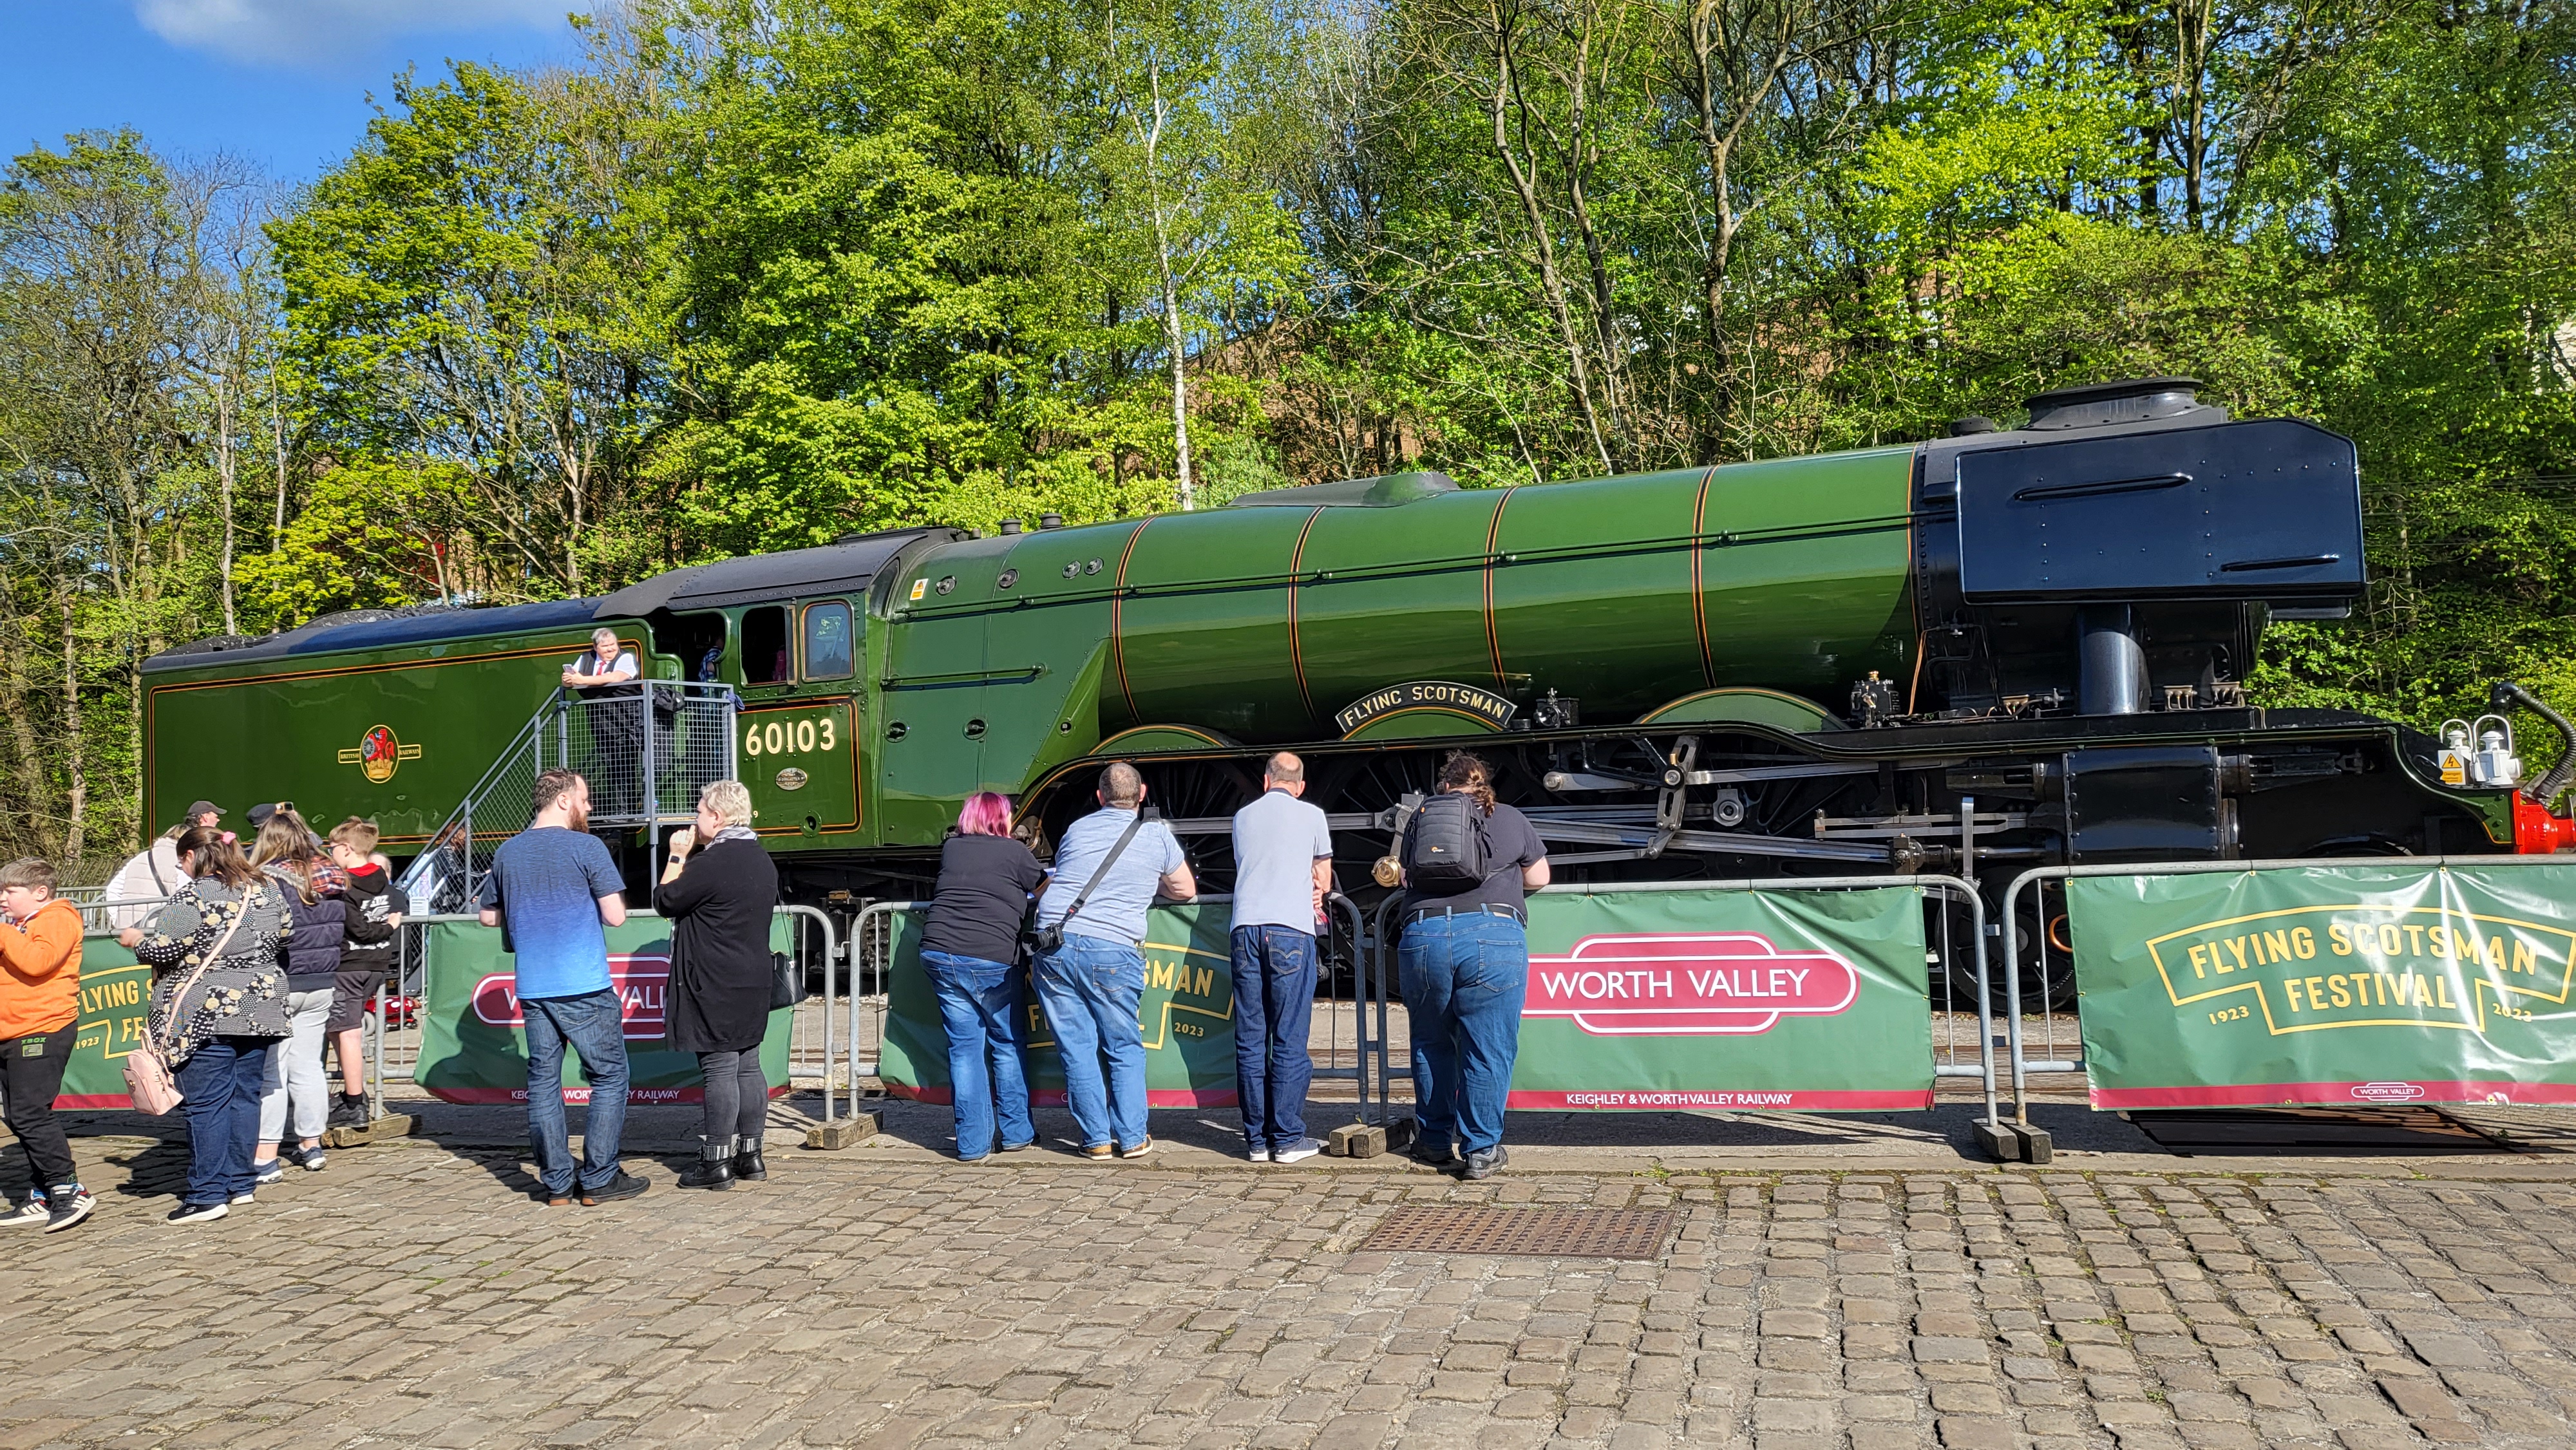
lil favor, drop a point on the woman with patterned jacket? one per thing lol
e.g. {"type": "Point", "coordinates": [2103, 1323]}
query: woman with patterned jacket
{"type": "Point", "coordinates": [219, 1032]}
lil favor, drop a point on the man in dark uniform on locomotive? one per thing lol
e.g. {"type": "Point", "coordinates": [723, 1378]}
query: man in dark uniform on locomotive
{"type": "Point", "coordinates": [616, 719]}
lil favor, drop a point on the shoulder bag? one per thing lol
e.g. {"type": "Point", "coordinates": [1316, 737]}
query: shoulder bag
{"type": "Point", "coordinates": [1049, 937]}
{"type": "Point", "coordinates": [786, 984]}
{"type": "Point", "coordinates": [148, 1080]}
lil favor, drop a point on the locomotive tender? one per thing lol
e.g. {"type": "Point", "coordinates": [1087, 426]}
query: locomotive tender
{"type": "Point", "coordinates": [1796, 665]}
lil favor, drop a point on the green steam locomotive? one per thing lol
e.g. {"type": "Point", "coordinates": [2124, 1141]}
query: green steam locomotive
{"type": "Point", "coordinates": [1991, 649]}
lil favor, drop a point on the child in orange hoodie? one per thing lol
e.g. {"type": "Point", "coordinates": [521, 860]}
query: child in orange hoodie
{"type": "Point", "coordinates": [40, 948]}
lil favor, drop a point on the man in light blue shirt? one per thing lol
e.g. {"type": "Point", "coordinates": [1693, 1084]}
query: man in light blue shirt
{"type": "Point", "coordinates": [553, 891]}
{"type": "Point", "coordinates": [1091, 985]}
{"type": "Point", "coordinates": [1283, 866]}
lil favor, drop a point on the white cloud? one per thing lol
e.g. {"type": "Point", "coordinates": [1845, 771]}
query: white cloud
{"type": "Point", "coordinates": [316, 32]}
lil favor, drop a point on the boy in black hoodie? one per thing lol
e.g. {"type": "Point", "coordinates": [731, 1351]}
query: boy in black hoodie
{"type": "Point", "coordinates": [375, 908]}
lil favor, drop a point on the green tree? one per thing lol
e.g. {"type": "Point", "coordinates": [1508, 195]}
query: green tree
{"type": "Point", "coordinates": [463, 289]}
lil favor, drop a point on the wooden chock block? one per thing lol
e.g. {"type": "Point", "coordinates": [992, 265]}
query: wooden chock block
{"type": "Point", "coordinates": [840, 1133]}
{"type": "Point", "coordinates": [1357, 1140]}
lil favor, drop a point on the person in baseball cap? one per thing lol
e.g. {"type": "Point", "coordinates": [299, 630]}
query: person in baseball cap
{"type": "Point", "coordinates": [202, 813]}
{"type": "Point", "coordinates": [261, 814]}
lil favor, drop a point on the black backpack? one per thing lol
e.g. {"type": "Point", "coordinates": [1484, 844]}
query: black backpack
{"type": "Point", "coordinates": [1445, 844]}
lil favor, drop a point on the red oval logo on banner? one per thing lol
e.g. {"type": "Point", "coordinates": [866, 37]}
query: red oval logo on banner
{"type": "Point", "coordinates": [1688, 985]}
{"type": "Point", "coordinates": [2387, 1092]}
{"type": "Point", "coordinates": [642, 983]}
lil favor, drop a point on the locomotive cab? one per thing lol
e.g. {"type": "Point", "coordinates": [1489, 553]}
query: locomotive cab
{"type": "Point", "coordinates": [788, 632]}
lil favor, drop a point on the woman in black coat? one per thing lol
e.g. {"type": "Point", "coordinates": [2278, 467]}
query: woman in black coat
{"type": "Point", "coordinates": [719, 892]}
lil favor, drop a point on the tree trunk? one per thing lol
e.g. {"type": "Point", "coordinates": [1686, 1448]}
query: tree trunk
{"type": "Point", "coordinates": [1174, 340]}
{"type": "Point", "coordinates": [26, 765]}
{"type": "Point", "coordinates": [2192, 20]}
{"type": "Point", "coordinates": [277, 435]}
{"type": "Point", "coordinates": [75, 752]}
{"type": "Point", "coordinates": [1551, 282]}
{"type": "Point", "coordinates": [225, 480]}
{"type": "Point", "coordinates": [1719, 129]}
{"type": "Point", "coordinates": [1579, 154]}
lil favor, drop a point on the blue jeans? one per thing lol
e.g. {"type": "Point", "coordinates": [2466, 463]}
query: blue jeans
{"type": "Point", "coordinates": [1090, 989]}
{"type": "Point", "coordinates": [979, 1004]}
{"type": "Point", "coordinates": [219, 1087]}
{"type": "Point", "coordinates": [594, 1023]}
{"type": "Point", "coordinates": [1464, 979]}
{"type": "Point", "coordinates": [1274, 995]}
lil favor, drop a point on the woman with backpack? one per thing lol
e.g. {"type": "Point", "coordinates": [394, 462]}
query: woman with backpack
{"type": "Point", "coordinates": [218, 1004]}
{"type": "Point", "coordinates": [1463, 960]}
{"type": "Point", "coordinates": [317, 931]}
{"type": "Point", "coordinates": [970, 951]}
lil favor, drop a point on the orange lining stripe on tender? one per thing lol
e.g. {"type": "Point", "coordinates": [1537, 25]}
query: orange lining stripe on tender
{"type": "Point", "coordinates": [514, 654]}
{"type": "Point", "coordinates": [1117, 595]}
{"type": "Point", "coordinates": [1493, 536]}
{"type": "Point", "coordinates": [1699, 591]}
{"type": "Point", "coordinates": [1296, 656]}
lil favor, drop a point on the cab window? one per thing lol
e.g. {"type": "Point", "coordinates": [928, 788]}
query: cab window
{"type": "Point", "coordinates": [764, 646]}
{"type": "Point", "coordinates": [696, 640]}
{"type": "Point", "coordinates": [827, 641]}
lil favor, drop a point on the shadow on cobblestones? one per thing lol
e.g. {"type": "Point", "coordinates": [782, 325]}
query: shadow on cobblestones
{"type": "Point", "coordinates": [397, 1299]}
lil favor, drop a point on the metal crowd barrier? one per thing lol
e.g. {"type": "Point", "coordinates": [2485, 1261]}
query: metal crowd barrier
{"type": "Point", "coordinates": [410, 967]}
{"type": "Point", "coordinates": [872, 937]}
{"type": "Point", "coordinates": [393, 1036]}
{"type": "Point", "coordinates": [2033, 1143]}
{"type": "Point", "coordinates": [1946, 1059]}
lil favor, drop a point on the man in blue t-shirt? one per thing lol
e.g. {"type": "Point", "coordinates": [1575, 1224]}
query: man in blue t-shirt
{"type": "Point", "coordinates": [1091, 985]}
{"type": "Point", "coordinates": [553, 891]}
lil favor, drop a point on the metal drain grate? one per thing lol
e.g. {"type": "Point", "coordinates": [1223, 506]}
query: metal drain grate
{"type": "Point", "coordinates": [1572, 1233]}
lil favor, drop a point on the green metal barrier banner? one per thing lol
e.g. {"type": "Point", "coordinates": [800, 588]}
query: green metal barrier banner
{"type": "Point", "coordinates": [474, 1048]}
{"type": "Point", "coordinates": [1643, 1001]}
{"type": "Point", "coordinates": [115, 998]}
{"type": "Point", "coordinates": [1187, 1013]}
{"type": "Point", "coordinates": [2344, 985]}
{"type": "Point", "coordinates": [1662, 1000]}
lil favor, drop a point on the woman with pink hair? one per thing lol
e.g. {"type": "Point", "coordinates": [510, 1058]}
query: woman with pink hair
{"type": "Point", "coordinates": [971, 952]}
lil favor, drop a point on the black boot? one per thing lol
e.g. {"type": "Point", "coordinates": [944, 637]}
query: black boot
{"type": "Point", "coordinates": [746, 1163]}
{"type": "Point", "coordinates": [714, 1167]}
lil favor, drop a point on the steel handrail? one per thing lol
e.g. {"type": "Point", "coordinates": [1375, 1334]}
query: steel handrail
{"type": "Point", "coordinates": [463, 815]}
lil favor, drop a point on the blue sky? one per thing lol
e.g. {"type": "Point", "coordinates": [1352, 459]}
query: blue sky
{"type": "Point", "coordinates": [283, 83]}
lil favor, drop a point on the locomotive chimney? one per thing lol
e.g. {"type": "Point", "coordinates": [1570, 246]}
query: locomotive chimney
{"type": "Point", "coordinates": [2113, 678]}
{"type": "Point", "coordinates": [1050, 521]}
{"type": "Point", "coordinates": [1010, 526]}
{"type": "Point", "coordinates": [2130, 400]}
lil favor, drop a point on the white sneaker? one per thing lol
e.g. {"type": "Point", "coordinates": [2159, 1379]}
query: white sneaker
{"type": "Point", "coordinates": [1257, 1155]}
{"type": "Point", "coordinates": [35, 1211]}
{"type": "Point", "coordinates": [1297, 1152]}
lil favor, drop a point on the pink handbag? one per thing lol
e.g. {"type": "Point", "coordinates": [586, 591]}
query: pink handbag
{"type": "Point", "coordinates": [147, 1069]}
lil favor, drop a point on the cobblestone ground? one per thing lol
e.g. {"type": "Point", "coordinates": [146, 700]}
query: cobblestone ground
{"type": "Point", "coordinates": [408, 1296]}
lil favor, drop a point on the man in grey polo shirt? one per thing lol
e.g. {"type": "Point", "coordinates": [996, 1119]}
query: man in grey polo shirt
{"type": "Point", "coordinates": [1092, 984]}
{"type": "Point", "coordinates": [1283, 865]}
